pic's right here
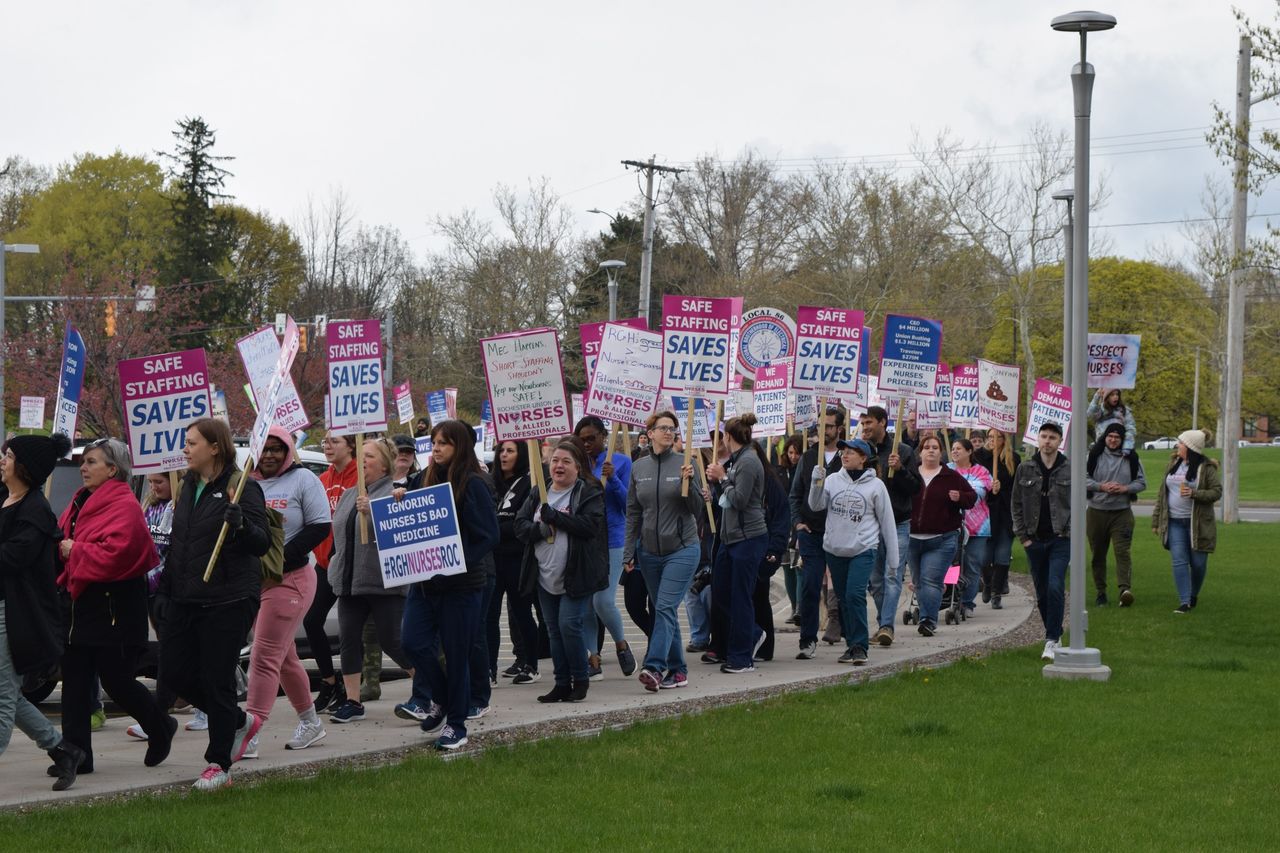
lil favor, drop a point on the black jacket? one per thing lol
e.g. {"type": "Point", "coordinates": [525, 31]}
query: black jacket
{"type": "Point", "coordinates": [478, 529]}
{"type": "Point", "coordinates": [999, 504]}
{"type": "Point", "coordinates": [238, 572]}
{"type": "Point", "coordinates": [107, 614]}
{"type": "Point", "coordinates": [587, 566]}
{"type": "Point", "coordinates": [799, 497]}
{"type": "Point", "coordinates": [29, 539]}
{"type": "Point", "coordinates": [777, 514]}
{"type": "Point", "coordinates": [904, 483]}
{"type": "Point", "coordinates": [510, 500]}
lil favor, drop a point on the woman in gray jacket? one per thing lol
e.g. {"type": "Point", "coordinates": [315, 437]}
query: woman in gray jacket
{"type": "Point", "coordinates": [744, 535]}
{"type": "Point", "coordinates": [662, 540]}
{"type": "Point", "coordinates": [356, 577]}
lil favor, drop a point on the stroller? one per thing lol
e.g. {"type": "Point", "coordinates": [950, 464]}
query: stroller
{"type": "Point", "coordinates": [953, 586]}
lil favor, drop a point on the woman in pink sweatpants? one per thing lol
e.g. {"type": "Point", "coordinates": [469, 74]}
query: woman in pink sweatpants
{"type": "Point", "coordinates": [298, 495]}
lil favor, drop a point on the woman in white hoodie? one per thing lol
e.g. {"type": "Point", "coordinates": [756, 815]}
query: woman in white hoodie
{"type": "Point", "coordinates": [859, 518]}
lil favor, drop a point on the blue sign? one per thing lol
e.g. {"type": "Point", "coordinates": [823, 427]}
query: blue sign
{"type": "Point", "coordinates": [417, 536]}
{"type": "Point", "coordinates": [909, 355]}
{"type": "Point", "coordinates": [70, 383]}
{"type": "Point", "coordinates": [437, 407]}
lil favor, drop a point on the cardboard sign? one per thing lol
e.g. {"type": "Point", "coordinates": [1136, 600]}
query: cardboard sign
{"type": "Point", "coordinates": [526, 385]}
{"type": "Point", "coordinates": [628, 370]}
{"type": "Point", "coordinates": [417, 536]}
{"type": "Point", "coordinates": [592, 335]}
{"type": "Point", "coordinates": [259, 353]}
{"type": "Point", "coordinates": [998, 395]}
{"type": "Point", "coordinates": [770, 393]}
{"type": "Point", "coordinates": [1113, 360]}
{"type": "Point", "coordinates": [403, 395]}
{"type": "Point", "coordinates": [66, 408]}
{"type": "Point", "coordinates": [964, 397]}
{"type": "Point", "coordinates": [935, 412]}
{"type": "Point", "coordinates": [909, 355]}
{"type": "Point", "coordinates": [1050, 402]}
{"type": "Point", "coordinates": [699, 340]}
{"type": "Point", "coordinates": [356, 401]}
{"type": "Point", "coordinates": [163, 395]}
{"type": "Point", "coordinates": [275, 390]}
{"type": "Point", "coordinates": [31, 413]}
{"type": "Point", "coordinates": [829, 351]}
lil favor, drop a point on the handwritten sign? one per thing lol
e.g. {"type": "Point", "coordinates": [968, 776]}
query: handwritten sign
{"type": "Point", "coordinates": [909, 355]}
{"type": "Point", "coordinates": [259, 352]}
{"type": "Point", "coordinates": [628, 370]}
{"type": "Point", "coordinates": [1113, 360]}
{"type": "Point", "coordinates": [592, 336]}
{"type": "Point", "coordinates": [699, 340]}
{"type": "Point", "coordinates": [998, 395]}
{"type": "Point", "coordinates": [275, 389]}
{"type": "Point", "coordinates": [31, 413]}
{"type": "Point", "coordinates": [356, 401]}
{"type": "Point", "coordinates": [162, 396]}
{"type": "Point", "coordinates": [417, 536]}
{"type": "Point", "coordinates": [526, 385]}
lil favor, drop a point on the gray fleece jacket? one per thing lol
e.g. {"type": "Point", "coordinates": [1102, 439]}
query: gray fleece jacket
{"type": "Point", "coordinates": [1114, 467]}
{"type": "Point", "coordinates": [659, 519]}
{"type": "Point", "coordinates": [741, 495]}
{"type": "Point", "coordinates": [354, 568]}
{"type": "Point", "coordinates": [859, 513]}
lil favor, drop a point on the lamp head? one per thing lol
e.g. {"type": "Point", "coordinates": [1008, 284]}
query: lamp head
{"type": "Point", "coordinates": [610, 266]}
{"type": "Point", "coordinates": [1083, 22]}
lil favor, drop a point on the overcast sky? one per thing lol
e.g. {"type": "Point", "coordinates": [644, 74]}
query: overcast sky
{"type": "Point", "coordinates": [417, 109]}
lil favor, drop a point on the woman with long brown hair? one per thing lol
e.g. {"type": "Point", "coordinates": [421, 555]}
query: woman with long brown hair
{"type": "Point", "coordinates": [998, 457]}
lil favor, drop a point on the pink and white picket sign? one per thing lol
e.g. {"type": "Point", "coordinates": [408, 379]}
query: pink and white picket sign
{"type": "Point", "coordinates": [451, 402]}
{"type": "Point", "coordinates": [699, 342]}
{"type": "Point", "coordinates": [31, 413]}
{"type": "Point", "coordinates": [770, 398]}
{"type": "Point", "coordinates": [624, 386]}
{"type": "Point", "coordinates": [271, 397]}
{"type": "Point", "coordinates": [998, 395]}
{"type": "Point", "coordinates": [163, 395]}
{"type": "Point", "coordinates": [526, 385]}
{"type": "Point", "coordinates": [935, 412]}
{"type": "Point", "coordinates": [356, 397]}
{"type": "Point", "coordinates": [259, 353]}
{"type": "Point", "coordinates": [592, 334]}
{"type": "Point", "coordinates": [403, 395]}
{"type": "Point", "coordinates": [830, 346]}
{"type": "Point", "coordinates": [964, 397]}
{"type": "Point", "coordinates": [575, 407]}
{"type": "Point", "coordinates": [1050, 402]}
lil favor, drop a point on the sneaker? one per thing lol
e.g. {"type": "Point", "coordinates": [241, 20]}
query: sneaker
{"type": "Point", "coordinates": [526, 676]}
{"type": "Point", "coordinates": [245, 736]}
{"type": "Point", "coordinates": [213, 778]}
{"type": "Point", "coordinates": [594, 672]}
{"type": "Point", "coordinates": [306, 734]}
{"type": "Point", "coordinates": [450, 739]}
{"type": "Point", "coordinates": [1126, 598]}
{"type": "Point", "coordinates": [710, 656]}
{"type": "Point", "coordinates": [324, 698]}
{"type": "Point", "coordinates": [512, 671]}
{"type": "Point", "coordinates": [350, 712]}
{"type": "Point", "coordinates": [858, 656]}
{"type": "Point", "coordinates": [695, 648]}
{"type": "Point", "coordinates": [847, 657]}
{"type": "Point", "coordinates": [251, 750]}
{"type": "Point", "coordinates": [626, 660]}
{"type": "Point", "coordinates": [434, 719]}
{"type": "Point", "coordinates": [651, 680]}
{"type": "Point", "coordinates": [97, 719]}
{"type": "Point", "coordinates": [199, 722]}
{"type": "Point", "coordinates": [808, 651]}
{"type": "Point", "coordinates": [1193, 601]}
{"type": "Point", "coordinates": [1182, 608]}
{"type": "Point", "coordinates": [1101, 600]}
{"type": "Point", "coordinates": [730, 669]}
{"type": "Point", "coordinates": [411, 710]}
{"type": "Point", "coordinates": [477, 711]}
{"type": "Point", "coordinates": [674, 681]}
{"type": "Point", "coordinates": [559, 693]}
{"type": "Point", "coordinates": [1050, 647]}
{"type": "Point", "coordinates": [970, 611]}
{"type": "Point", "coordinates": [885, 635]}
{"type": "Point", "coordinates": [926, 629]}
{"type": "Point", "coordinates": [755, 650]}
{"type": "Point", "coordinates": [135, 731]}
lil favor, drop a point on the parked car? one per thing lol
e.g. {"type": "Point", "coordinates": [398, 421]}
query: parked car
{"type": "Point", "coordinates": [1275, 441]}
{"type": "Point", "coordinates": [1161, 443]}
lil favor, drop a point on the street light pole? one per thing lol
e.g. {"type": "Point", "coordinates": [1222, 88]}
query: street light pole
{"type": "Point", "coordinates": [611, 269]}
{"type": "Point", "coordinates": [1079, 661]}
{"type": "Point", "coordinates": [5, 249]}
{"type": "Point", "coordinates": [1066, 195]}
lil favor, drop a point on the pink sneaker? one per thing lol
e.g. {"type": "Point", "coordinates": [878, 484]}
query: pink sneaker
{"type": "Point", "coordinates": [244, 736]}
{"type": "Point", "coordinates": [213, 778]}
{"type": "Point", "coordinates": [650, 680]}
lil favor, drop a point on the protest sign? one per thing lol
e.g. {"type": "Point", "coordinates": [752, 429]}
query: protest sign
{"type": "Point", "coordinates": [220, 404]}
{"type": "Point", "coordinates": [829, 351]}
{"type": "Point", "coordinates": [162, 396]}
{"type": "Point", "coordinates": [437, 406]}
{"type": "Point", "coordinates": [526, 385]}
{"type": "Point", "coordinates": [403, 395]}
{"type": "Point", "coordinates": [356, 403]}
{"type": "Point", "coordinates": [575, 408]}
{"type": "Point", "coordinates": [417, 536]}
{"type": "Point", "coordinates": [698, 339]}
{"type": "Point", "coordinates": [964, 397]}
{"type": "Point", "coordinates": [1050, 402]}
{"type": "Point", "coordinates": [486, 421]}
{"type": "Point", "coordinates": [804, 409]}
{"type": "Point", "coordinates": [628, 369]}
{"type": "Point", "coordinates": [909, 355]}
{"type": "Point", "coordinates": [765, 336]}
{"type": "Point", "coordinates": [66, 407]}
{"type": "Point", "coordinates": [451, 402]}
{"type": "Point", "coordinates": [274, 391]}
{"type": "Point", "coordinates": [1113, 360]}
{"type": "Point", "coordinates": [31, 413]}
{"type": "Point", "coordinates": [770, 392]}
{"type": "Point", "coordinates": [592, 334]}
{"type": "Point", "coordinates": [703, 418]}
{"type": "Point", "coordinates": [998, 395]}
{"type": "Point", "coordinates": [259, 353]}
{"type": "Point", "coordinates": [935, 412]}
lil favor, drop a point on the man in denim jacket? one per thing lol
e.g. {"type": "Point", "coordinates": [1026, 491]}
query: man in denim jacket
{"type": "Point", "coordinates": [1042, 523]}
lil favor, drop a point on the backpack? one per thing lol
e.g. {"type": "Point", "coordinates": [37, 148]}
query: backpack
{"type": "Point", "coordinates": [273, 560]}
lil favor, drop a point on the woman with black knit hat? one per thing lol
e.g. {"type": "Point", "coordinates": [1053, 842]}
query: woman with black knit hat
{"type": "Point", "coordinates": [30, 625]}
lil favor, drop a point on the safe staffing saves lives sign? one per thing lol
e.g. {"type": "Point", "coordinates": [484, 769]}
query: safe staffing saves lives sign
{"type": "Point", "coordinates": [163, 395]}
{"type": "Point", "coordinates": [356, 401]}
{"type": "Point", "coordinates": [699, 340]}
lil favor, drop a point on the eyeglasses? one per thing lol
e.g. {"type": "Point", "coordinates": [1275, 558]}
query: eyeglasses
{"type": "Point", "coordinates": [97, 442]}
{"type": "Point", "coordinates": [663, 428]}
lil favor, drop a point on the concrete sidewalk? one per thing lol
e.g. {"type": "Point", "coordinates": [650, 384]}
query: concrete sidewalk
{"type": "Point", "coordinates": [515, 714]}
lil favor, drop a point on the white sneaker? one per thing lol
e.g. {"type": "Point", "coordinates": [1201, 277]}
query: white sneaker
{"type": "Point", "coordinates": [199, 722]}
{"type": "Point", "coordinates": [135, 731]}
{"type": "Point", "coordinates": [306, 734]}
{"type": "Point", "coordinates": [251, 750]}
{"type": "Point", "coordinates": [1050, 647]}
{"type": "Point", "coordinates": [213, 778]}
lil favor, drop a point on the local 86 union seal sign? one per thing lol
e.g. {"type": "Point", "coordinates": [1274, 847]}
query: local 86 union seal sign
{"type": "Point", "coordinates": [766, 335]}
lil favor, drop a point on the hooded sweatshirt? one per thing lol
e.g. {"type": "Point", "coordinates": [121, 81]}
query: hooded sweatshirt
{"type": "Point", "coordinates": [859, 513]}
{"type": "Point", "coordinates": [299, 496]}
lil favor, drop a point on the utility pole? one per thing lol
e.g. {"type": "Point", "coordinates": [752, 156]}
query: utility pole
{"type": "Point", "coordinates": [5, 249]}
{"type": "Point", "coordinates": [646, 256]}
{"type": "Point", "coordinates": [1235, 293]}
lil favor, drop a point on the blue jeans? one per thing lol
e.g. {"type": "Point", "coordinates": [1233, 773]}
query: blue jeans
{"type": "Point", "coordinates": [1189, 566]}
{"type": "Point", "coordinates": [604, 606]}
{"type": "Point", "coordinates": [1001, 547]}
{"type": "Point", "coordinates": [14, 708]}
{"type": "Point", "coordinates": [814, 561]}
{"type": "Point", "coordinates": [481, 690]}
{"type": "Point", "coordinates": [977, 553]}
{"type": "Point", "coordinates": [733, 583]}
{"type": "Point", "coordinates": [698, 607]}
{"type": "Point", "coordinates": [886, 587]}
{"type": "Point", "coordinates": [668, 578]}
{"type": "Point", "coordinates": [930, 559]}
{"type": "Point", "coordinates": [849, 579]}
{"type": "Point", "coordinates": [443, 622]}
{"type": "Point", "coordinates": [566, 617]}
{"type": "Point", "coordinates": [1048, 562]}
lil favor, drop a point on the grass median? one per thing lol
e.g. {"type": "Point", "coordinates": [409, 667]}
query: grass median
{"type": "Point", "coordinates": [1178, 750]}
{"type": "Point", "coordinates": [1259, 472]}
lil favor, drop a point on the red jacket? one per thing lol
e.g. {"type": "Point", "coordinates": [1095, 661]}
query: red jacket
{"type": "Point", "coordinates": [933, 511]}
{"type": "Point", "coordinates": [334, 485]}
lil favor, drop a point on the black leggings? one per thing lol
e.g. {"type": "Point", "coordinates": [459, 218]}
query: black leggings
{"type": "Point", "coordinates": [635, 597]}
{"type": "Point", "coordinates": [523, 629]}
{"type": "Point", "coordinates": [353, 612]}
{"type": "Point", "coordinates": [115, 666]}
{"type": "Point", "coordinates": [313, 622]}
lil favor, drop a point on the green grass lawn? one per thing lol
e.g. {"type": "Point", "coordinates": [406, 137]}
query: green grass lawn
{"type": "Point", "coordinates": [1259, 472]}
{"type": "Point", "coordinates": [1177, 751]}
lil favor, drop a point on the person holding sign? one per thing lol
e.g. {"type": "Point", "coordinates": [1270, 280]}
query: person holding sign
{"type": "Point", "coordinates": [937, 511]}
{"type": "Point", "coordinates": [998, 457]}
{"type": "Point", "coordinates": [1108, 407]}
{"type": "Point", "coordinates": [205, 623]}
{"type": "Point", "coordinates": [662, 541]}
{"type": "Point", "coordinates": [566, 560]}
{"type": "Point", "coordinates": [512, 482]}
{"type": "Point", "coordinates": [1042, 523]}
{"type": "Point", "coordinates": [1183, 518]}
{"type": "Point", "coordinates": [355, 573]}
{"type": "Point", "coordinates": [977, 520]}
{"type": "Point", "coordinates": [744, 536]}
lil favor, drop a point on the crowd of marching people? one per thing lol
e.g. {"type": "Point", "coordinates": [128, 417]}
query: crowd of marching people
{"type": "Point", "coordinates": [849, 513]}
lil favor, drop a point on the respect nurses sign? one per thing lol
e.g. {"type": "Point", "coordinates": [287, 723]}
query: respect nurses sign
{"type": "Point", "coordinates": [1113, 360]}
{"type": "Point", "coordinates": [829, 346]}
{"type": "Point", "coordinates": [417, 536]}
{"type": "Point", "coordinates": [699, 339]}
{"type": "Point", "coordinates": [356, 401]}
{"type": "Point", "coordinates": [162, 396]}
{"type": "Point", "coordinates": [909, 355]}
{"type": "Point", "coordinates": [526, 385]}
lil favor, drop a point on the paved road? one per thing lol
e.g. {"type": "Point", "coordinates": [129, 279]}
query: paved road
{"type": "Point", "coordinates": [1265, 514]}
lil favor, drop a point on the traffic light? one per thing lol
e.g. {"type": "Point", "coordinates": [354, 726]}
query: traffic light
{"type": "Point", "coordinates": [111, 318]}
{"type": "Point", "coordinates": [302, 339]}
